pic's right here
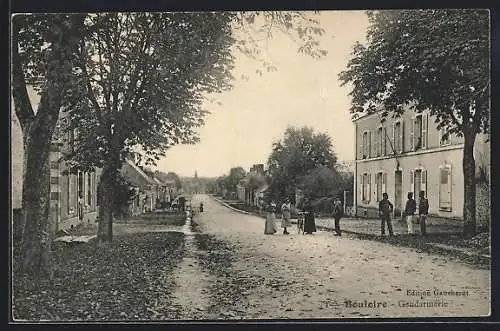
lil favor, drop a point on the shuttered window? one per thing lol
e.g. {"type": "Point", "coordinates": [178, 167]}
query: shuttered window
{"type": "Point", "coordinates": [445, 188]}
{"type": "Point", "coordinates": [365, 189]}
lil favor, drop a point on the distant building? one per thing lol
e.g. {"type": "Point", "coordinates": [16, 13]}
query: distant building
{"type": "Point", "coordinates": [409, 154]}
{"type": "Point", "coordinates": [144, 186]}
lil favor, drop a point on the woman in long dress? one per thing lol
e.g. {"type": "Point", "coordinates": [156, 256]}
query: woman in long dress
{"type": "Point", "coordinates": [286, 215]}
{"type": "Point", "coordinates": [270, 227]}
{"type": "Point", "coordinates": [309, 223]}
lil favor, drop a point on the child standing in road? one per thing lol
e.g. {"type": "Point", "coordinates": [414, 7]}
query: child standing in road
{"type": "Point", "coordinates": [384, 211]}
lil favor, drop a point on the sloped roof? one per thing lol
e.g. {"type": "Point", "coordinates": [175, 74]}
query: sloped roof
{"type": "Point", "coordinates": [135, 176]}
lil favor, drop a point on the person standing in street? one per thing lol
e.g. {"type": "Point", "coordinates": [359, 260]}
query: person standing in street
{"type": "Point", "coordinates": [423, 211]}
{"type": "Point", "coordinates": [384, 211]}
{"type": "Point", "coordinates": [270, 227]}
{"type": "Point", "coordinates": [337, 215]}
{"type": "Point", "coordinates": [309, 222]}
{"type": "Point", "coordinates": [410, 209]}
{"type": "Point", "coordinates": [286, 215]}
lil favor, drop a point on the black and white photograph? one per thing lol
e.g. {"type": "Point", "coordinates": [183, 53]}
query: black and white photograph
{"type": "Point", "coordinates": [190, 166]}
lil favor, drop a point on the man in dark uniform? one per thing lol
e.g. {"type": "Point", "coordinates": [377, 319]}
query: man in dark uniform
{"type": "Point", "coordinates": [384, 211]}
{"type": "Point", "coordinates": [423, 211]}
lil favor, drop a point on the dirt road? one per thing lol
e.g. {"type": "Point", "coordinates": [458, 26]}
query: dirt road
{"type": "Point", "coordinates": [324, 276]}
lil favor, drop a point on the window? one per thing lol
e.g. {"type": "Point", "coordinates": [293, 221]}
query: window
{"type": "Point", "coordinates": [418, 132]}
{"type": "Point", "coordinates": [366, 144]}
{"type": "Point", "coordinates": [365, 187]}
{"type": "Point", "coordinates": [89, 189]}
{"type": "Point", "coordinates": [71, 193]}
{"type": "Point", "coordinates": [445, 188]}
{"type": "Point", "coordinates": [398, 136]}
{"type": "Point", "coordinates": [80, 185]}
{"type": "Point", "coordinates": [380, 141]}
{"type": "Point", "coordinates": [444, 140]}
{"type": "Point", "coordinates": [380, 182]}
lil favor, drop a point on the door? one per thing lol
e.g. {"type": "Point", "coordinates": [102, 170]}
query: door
{"type": "Point", "coordinates": [398, 192]}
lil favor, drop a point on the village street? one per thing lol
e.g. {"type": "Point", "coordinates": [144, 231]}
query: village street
{"type": "Point", "coordinates": [315, 276]}
{"type": "Point", "coordinates": [220, 265]}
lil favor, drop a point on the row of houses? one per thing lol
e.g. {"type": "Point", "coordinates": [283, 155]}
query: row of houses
{"type": "Point", "coordinates": [74, 194]}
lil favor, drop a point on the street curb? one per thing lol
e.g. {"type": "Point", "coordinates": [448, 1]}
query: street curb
{"type": "Point", "coordinates": [230, 207]}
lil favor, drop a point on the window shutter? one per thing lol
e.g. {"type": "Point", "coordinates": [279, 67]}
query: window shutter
{"type": "Point", "coordinates": [449, 188]}
{"type": "Point", "coordinates": [369, 144]}
{"type": "Point", "coordinates": [377, 143]}
{"type": "Point", "coordinates": [363, 144]}
{"type": "Point", "coordinates": [381, 137]}
{"type": "Point", "coordinates": [384, 140]}
{"type": "Point", "coordinates": [412, 182]}
{"type": "Point", "coordinates": [369, 190]}
{"type": "Point", "coordinates": [384, 182]}
{"type": "Point", "coordinates": [425, 118]}
{"type": "Point", "coordinates": [362, 187]}
{"type": "Point", "coordinates": [423, 182]}
{"type": "Point", "coordinates": [412, 134]}
{"type": "Point", "coordinates": [394, 138]}
{"type": "Point", "coordinates": [401, 136]}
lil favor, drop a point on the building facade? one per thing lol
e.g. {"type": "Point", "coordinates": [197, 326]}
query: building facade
{"type": "Point", "coordinates": [408, 154]}
{"type": "Point", "coordinates": [73, 195]}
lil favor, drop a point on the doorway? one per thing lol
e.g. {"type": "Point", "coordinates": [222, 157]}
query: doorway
{"type": "Point", "coordinates": [398, 192]}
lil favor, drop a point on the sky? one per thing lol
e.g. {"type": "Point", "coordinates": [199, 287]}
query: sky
{"type": "Point", "coordinates": [255, 112]}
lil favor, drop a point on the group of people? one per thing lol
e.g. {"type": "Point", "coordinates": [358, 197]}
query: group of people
{"type": "Point", "coordinates": [308, 212]}
{"type": "Point", "coordinates": [286, 214]}
{"type": "Point", "coordinates": [386, 208]}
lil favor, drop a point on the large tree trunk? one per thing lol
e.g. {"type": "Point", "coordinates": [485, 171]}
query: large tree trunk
{"type": "Point", "coordinates": [107, 188]}
{"type": "Point", "coordinates": [36, 202]}
{"type": "Point", "coordinates": [469, 172]}
{"type": "Point", "coordinates": [38, 131]}
{"type": "Point", "coordinates": [105, 227]}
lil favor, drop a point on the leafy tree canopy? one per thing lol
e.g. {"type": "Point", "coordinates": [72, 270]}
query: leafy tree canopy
{"type": "Point", "coordinates": [436, 60]}
{"type": "Point", "coordinates": [292, 158]}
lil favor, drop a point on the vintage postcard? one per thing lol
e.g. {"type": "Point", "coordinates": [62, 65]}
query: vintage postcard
{"type": "Point", "coordinates": [267, 165]}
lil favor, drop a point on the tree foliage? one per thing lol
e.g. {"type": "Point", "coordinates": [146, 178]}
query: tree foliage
{"type": "Point", "coordinates": [293, 158]}
{"type": "Point", "coordinates": [255, 180]}
{"type": "Point", "coordinates": [435, 60]}
{"type": "Point", "coordinates": [322, 181]}
{"type": "Point", "coordinates": [236, 174]}
{"type": "Point", "coordinates": [140, 79]}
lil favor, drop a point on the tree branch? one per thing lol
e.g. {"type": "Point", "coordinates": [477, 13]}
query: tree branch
{"type": "Point", "coordinates": [90, 91]}
{"type": "Point", "coordinates": [23, 108]}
